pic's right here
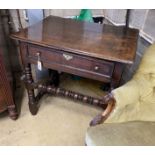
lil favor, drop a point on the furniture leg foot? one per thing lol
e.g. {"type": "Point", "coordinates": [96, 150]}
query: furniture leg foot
{"type": "Point", "coordinates": [12, 112]}
{"type": "Point", "coordinates": [33, 108]}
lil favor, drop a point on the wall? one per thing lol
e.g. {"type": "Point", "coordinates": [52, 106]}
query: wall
{"type": "Point", "coordinates": [115, 16]}
{"type": "Point", "coordinates": [70, 12]}
{"type": "Point", "coordinates": [47, 12]}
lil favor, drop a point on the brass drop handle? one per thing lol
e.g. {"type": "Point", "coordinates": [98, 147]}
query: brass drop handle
{"type": "Point", "coordinates": [96, 68]}
{"type": "Point", "coordinates": [39, 63]}
{"type": "Point", "coordinates": [67, 57]}
{"type": "Point", "coordinates": [38, 55]}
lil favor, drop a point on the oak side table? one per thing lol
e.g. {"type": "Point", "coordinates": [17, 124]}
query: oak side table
{"type": "Point", "coordinates": [90, 50]}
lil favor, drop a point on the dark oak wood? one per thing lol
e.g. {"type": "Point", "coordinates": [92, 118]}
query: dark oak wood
{"type": "Point", "coordinates": [6, 96]}
{"type": "Point", "coordinates": [90, 39]}
{"type": "Point", "coordinates": [73, 95]}
{"type": "Point", "coordinates": [32, 102]}
{"type": "Point", "coordinates": [117, 73]}
{"type": "Point", "coordinates": [110, 101]}
{"type": "Point", "coordinates": [79, 65]}
{"type": "Point", "coordinates": [7, 79]}
{"type": "Point", "coordinates": [89, 50]}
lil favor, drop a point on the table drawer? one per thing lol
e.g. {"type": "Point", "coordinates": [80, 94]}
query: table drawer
{"type": "Point", "coordinates": [87, 63]}
{"type": "Point", "coordinates": [74, 61]}
{"type": "Point", "coordinates": [46, 54]}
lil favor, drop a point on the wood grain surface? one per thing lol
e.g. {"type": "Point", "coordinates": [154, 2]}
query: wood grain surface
{"type": "Point", "coordinates": [97, 40]}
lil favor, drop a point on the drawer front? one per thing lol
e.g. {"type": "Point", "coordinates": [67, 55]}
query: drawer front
{"type": "Point", "coordinates": [46, 54]}
{"type": "Point", "coordinates": [89, 64]}
{"type": "Point", "coordinates": [70, 60]}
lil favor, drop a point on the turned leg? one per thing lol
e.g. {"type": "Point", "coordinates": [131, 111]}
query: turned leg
{"type": "Point", "coordinates": [54, 78]}
{"type": "Point", "coordinates": [12, 112]}
{"type": "Point", "coordinates": [29, 80]}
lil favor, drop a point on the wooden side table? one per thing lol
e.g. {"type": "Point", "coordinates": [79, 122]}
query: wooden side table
{"type": "Point", "coordinates": [89, 50]}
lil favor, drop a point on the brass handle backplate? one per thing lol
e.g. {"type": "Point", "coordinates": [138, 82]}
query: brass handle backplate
{"type": "Point", "coordinates": [67, 57]}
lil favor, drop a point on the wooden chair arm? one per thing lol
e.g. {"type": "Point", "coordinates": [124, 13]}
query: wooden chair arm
{"type": "Point", "coordinates": [100, 118]}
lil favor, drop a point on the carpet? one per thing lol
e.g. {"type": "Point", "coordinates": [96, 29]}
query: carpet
{"type": "Point", "coordinates": [59, 121]}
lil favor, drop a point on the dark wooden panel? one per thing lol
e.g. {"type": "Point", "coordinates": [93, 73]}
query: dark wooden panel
{"type": "Point", "coordinates": [72, 70]}
{"type": "Point", "coordinates": [7, 101]}
{"type": "Point", "coordinates": [72, 63]}
{"type": "Point", "coordinates": [3, 105]}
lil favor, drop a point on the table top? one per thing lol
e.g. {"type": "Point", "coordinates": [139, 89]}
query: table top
{"type": "Point", "coordinates": [115, 43]}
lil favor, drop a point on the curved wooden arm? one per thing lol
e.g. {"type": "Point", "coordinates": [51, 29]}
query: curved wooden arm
{"type": "Point", "coordinates": [109, 99]}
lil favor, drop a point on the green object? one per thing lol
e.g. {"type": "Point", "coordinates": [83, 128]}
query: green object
{"type": "Point", "coordinates": [132, 133]}
{"type": "Point", "coordinates": [85, 15]}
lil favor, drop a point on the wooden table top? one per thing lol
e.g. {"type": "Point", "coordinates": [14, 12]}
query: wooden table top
{"type": "Point", "coordinates": [91, 39]}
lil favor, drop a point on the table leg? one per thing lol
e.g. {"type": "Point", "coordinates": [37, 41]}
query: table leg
{"type": "Point", "coordinates": [12, 112]}
{"type": "Point", "coordinates": [117, 74]}
{"type": "Point", "coordinates": [54, 78]}
{"type": "Point", "coordinates": [31, 96]}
